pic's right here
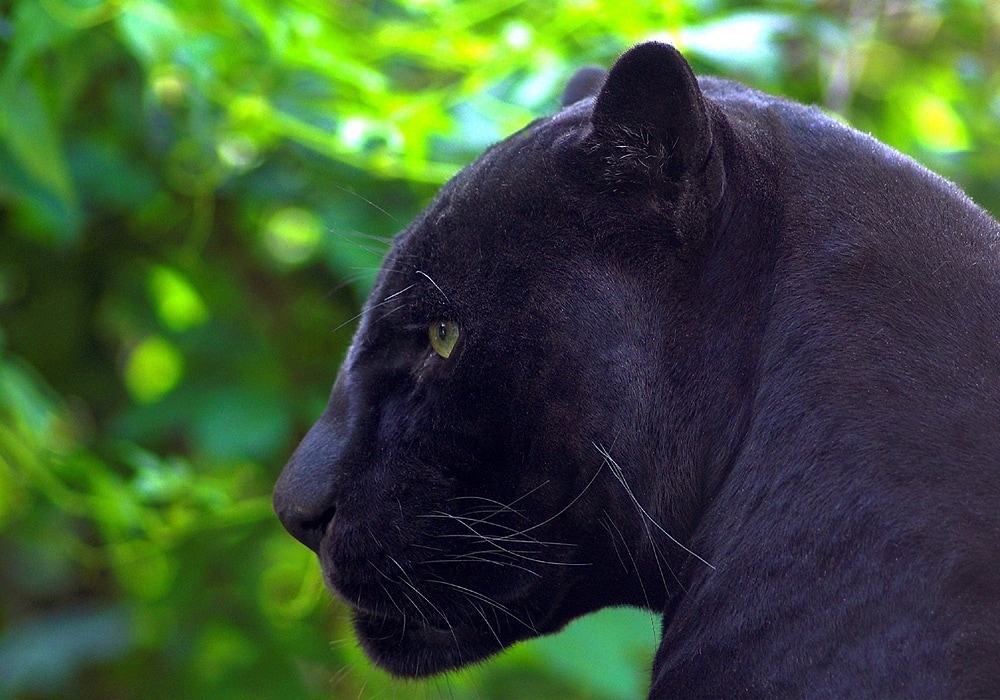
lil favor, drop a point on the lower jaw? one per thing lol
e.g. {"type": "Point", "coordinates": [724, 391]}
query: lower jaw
{"type": "Point", "coordinates": [412, 648]}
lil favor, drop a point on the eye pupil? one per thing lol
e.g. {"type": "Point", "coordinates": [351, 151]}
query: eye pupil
{"type": "Point", "coordinates": [442, 331]}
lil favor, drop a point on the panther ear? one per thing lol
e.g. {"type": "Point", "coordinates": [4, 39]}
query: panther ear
{"type": "Point", "coordinates": [651, 114]}
{"type": "Point", "coordinates": [584, 83]}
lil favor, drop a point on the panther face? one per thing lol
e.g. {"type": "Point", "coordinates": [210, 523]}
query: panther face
{"type": "Point", "coordinates": [484, 470]}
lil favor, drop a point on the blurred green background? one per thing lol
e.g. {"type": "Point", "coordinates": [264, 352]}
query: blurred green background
{"type": "Point", "coordinates": [194, 196]}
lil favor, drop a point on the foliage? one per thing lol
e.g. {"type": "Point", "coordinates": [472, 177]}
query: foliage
{"type": "Point", "coordinates": [194, 195]}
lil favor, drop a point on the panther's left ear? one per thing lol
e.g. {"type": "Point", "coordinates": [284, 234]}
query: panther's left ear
{"type": "Point", "coordinates": [651, 115]}
{"type": "Point", "coordinates": [584, 83]}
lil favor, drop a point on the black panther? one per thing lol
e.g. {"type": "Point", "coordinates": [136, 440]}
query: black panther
{"type": "Point", "coordinates": [690, 347]}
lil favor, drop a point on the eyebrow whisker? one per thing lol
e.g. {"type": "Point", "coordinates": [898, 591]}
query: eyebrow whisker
{"type": "Point", "coordinates": [396, 294]}
{"type": "Point", "coordinates": [374, 306]}
{"type": "Point", "coordinates": [421, 272]}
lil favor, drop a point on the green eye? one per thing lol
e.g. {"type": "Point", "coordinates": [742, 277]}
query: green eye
{"type": "Point", "coordinates": [444, 335]}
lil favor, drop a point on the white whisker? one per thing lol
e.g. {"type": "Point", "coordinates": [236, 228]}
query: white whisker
{"type": "Point", "coordinates": [421, 272]}
{"type": "Point", "coordinates": [361, 313]}
{"type": "Point", "coordinates": [620, 475]}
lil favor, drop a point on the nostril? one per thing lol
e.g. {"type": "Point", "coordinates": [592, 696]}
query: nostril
{"type": "Point", "coordinates": [305, 495]}
{"type": "Point", "coordinates": [306, 527]}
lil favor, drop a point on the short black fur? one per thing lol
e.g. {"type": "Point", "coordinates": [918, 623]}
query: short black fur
{"type": "Point", "coordinates": [720, 356]}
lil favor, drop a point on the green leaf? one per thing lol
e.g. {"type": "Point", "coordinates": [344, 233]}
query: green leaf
{"type": "Point", "coordinates": [607, 652]}
{"type": "Point", "coordinates": [937, 126]}
{"type": "Point", "coordinates": [42, 655]}
{"type": "Point", "coordinates": [151, 30]}
{"type": "Point", "coordinates": [30, 138]}
{"type": "Point", "coordinates": [154, 367]}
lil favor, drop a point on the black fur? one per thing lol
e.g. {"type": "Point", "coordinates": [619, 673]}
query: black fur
{"type": "Point", "coordinates": [584, 83]}
{"type": "Point", "coordinates": [720, 356]}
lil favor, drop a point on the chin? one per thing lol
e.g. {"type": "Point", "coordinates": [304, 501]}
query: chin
{"type": "Point", "coordinates": [414, 648]}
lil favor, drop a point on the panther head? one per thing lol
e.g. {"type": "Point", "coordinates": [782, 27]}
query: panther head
{"type": "Point", "coordinates": [523, 430]}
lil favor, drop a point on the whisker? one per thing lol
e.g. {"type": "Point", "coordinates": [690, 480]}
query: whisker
{"type": "Point", "coordinates": [482, 558]}
{"type": "Point", "coordinates": [536, 560]}
{"type": "Point", "coordinates": [496, 543]}
{"type": "Point", "coordinates": [361, 313]}
{"type": "Point", "coordinates": [508, 538]}
{"type": "Point", "coordinates": [391, 600]}
{"type": "Point", "coordinates": [469, 520]}
{"type": "Point", "coordinates": [504, 506]}
{"type": "Point", "coordinates": [608, 523]}
{"type": "Point", "coordinates": [620, 475]}
{"type": "Point", "coordinates": [347, 282]}
{"type": "Point", "coordinates": [421, 272]}
{"type": "Point", "coordinates": [353, 318]}
{"type": "Point", "coordinates": [406, 580]}
{"type": "Point", "coordinates": [568, 505]}
{"type": "Point", "coordinates": [473, 594]}
{"type": "Point", "coordinates": [486, 622]}
{"type": "Point", "coordinates": [351, 192]}
{"type": "Point", "coordinates": [389, 313]}
{"type": "Point", "coordinates": [378, 252]}
{"type": "Point", "coordinates": [384, 241]}
{"type": "Point", "coordinates": [396, 294]}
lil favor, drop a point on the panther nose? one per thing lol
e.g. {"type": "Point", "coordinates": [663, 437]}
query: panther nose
{"type": "Point", "coordinates": [307, 528]}
{"type": "Point", "coordinates": [305, 522]}
{"type": "Point", "coordinates": [304, 497]}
